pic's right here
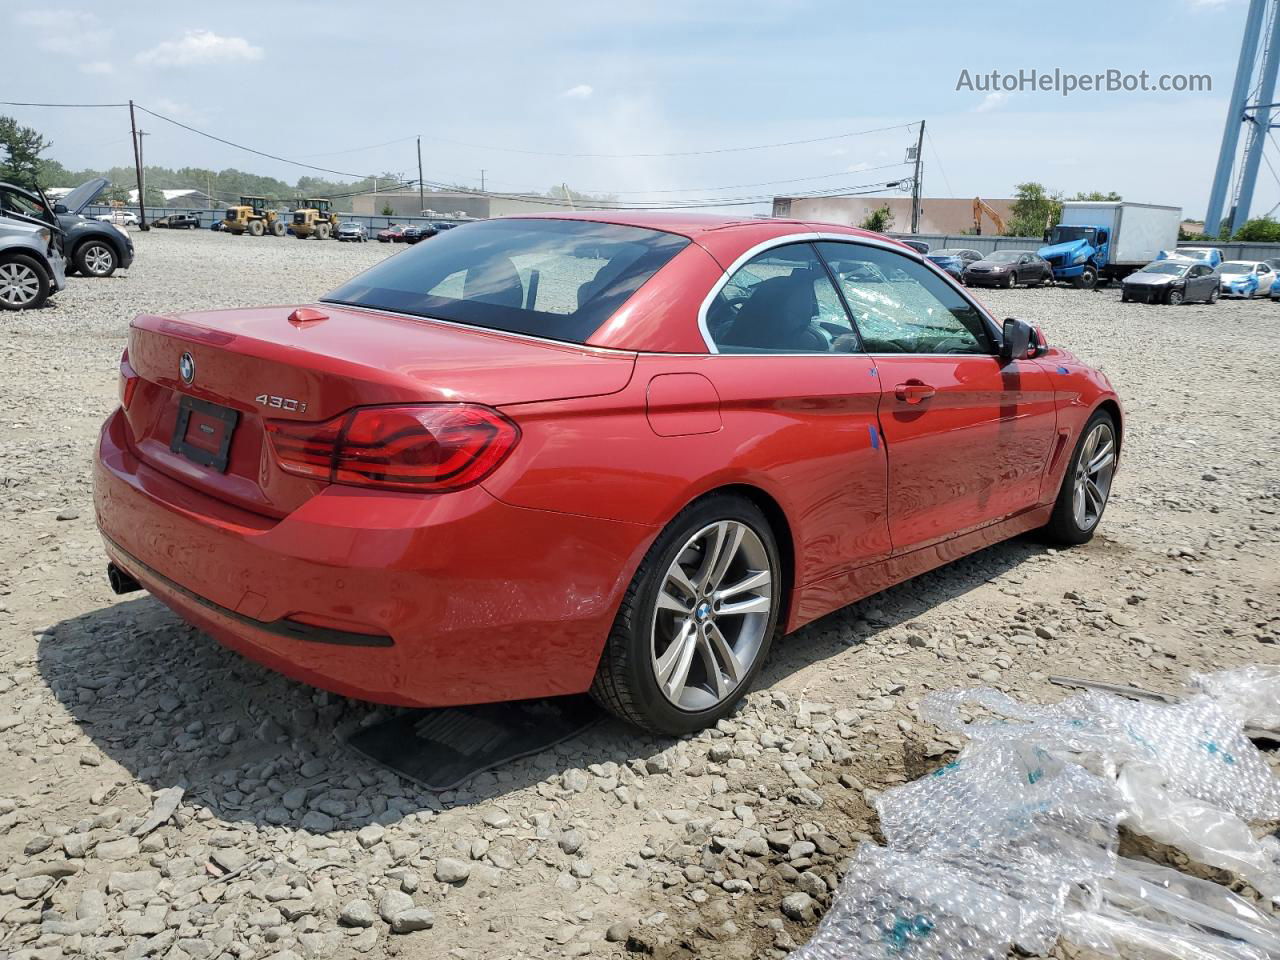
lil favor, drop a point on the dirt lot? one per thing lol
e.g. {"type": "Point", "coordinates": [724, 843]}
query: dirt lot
{"type": "Point", "coordinates": [286, 843]}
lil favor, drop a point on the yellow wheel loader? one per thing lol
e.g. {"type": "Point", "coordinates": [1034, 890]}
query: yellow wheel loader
{"type": "Point", "coordinates": [314, 219]}
{"type": "Point", "coordinates": [251, 216]}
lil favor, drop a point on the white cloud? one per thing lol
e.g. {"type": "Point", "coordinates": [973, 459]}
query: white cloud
{"type": "Point", "coordinates": [58, 19]}
{"type": "Point", "coordinates": [199, 47]}
{"type": "Point", "coordinates": [580, 92]}
{"type": "Point", "coordinates": [992, 101]}
{"type": "Point", "coordinates": [97, 66]}
{"type": "Point", "coordinates": [1208, 4]}
{"type": "Point", "coordinates": [68, 32]}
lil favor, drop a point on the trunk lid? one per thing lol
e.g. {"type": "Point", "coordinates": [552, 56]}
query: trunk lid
{"type": "Point", "coordinates": [263, 365]}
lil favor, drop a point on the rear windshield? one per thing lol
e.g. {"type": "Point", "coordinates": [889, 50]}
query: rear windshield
{"type": "Point", "coordinates": [559, 279]}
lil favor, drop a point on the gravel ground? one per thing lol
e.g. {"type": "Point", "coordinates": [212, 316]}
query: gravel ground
{"type": "Point", "coordinates": [724, 845]}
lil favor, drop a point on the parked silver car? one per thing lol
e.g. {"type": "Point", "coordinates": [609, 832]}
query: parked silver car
{"type": "Point", "coordinates": [32, 267]}
{"type": "Point", "coordinates": [353, 230]}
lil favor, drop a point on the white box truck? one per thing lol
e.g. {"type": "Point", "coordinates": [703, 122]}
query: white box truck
{"type": "Point", "coordinates": [1108, 240]}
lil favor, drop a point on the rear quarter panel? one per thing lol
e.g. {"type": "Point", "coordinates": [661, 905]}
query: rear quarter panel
{"type": "Point", "coordinates": [802, 430]}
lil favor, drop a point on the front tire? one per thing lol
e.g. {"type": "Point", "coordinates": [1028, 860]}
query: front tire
{"type": "Point", "coordinates": [95, 258]}
{"type": "Point", "coordinates": [1087, 280]}
{"type": "Point", "coordinates": [256, 229]}
{"type": "Point", "coordinates": [696, 622]}
{"type": "Point", "coordinates": [1086, 486]}
{"type": "Point", "coordinates": [24, 285]}
{"type": "Point", "coordinates": [1175, 298]}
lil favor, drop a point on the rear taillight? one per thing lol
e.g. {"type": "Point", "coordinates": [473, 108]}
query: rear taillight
{"type": "Point", "coordinates": [427, 448]}
{"type": "Point", "coordinates": [128, 381]}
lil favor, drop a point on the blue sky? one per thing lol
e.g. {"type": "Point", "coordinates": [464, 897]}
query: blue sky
{"type": "Point", "coordinates": [322, 81]}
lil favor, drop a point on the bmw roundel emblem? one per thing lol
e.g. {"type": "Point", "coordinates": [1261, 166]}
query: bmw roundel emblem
{"type": "Point", "coordinates": [187, 368]}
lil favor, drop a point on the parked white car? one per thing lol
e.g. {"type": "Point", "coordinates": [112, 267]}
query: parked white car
{"type": "Point", "coordinates": [1246, 278]}
{"type": "Point", "coordinates": [121, 218]}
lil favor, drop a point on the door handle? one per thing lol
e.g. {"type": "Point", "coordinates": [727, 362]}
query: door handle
{"type": "Point", "coordinates": [913, 391]}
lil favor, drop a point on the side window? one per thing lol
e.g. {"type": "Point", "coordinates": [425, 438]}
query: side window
{"type": "Point", "coordinates": [900, 306]}
{"type": "Point", "coordinates": [1263, 269]}
{"type": "Point", "coordinates": [781, 301]}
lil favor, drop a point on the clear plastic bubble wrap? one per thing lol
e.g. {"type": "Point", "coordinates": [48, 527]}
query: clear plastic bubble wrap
{"type": "Point", "coordinates": [1014, 818]}
{"type": "Point", "coordinates": [1146, 910]}
{"type": "Point", "coordinates": [1251, 694]}
{"type": "Point", "coordinates": [897, 906]}
{"type": "Point", "coordinates": [1014, 842]}
{"type": "Point", "coordinates": [1199, 748]}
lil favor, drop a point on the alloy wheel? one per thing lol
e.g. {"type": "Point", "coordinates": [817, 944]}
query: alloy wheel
{"type": "Point", "coordinates": [19, 284]}
{"type": "Point", "coordinates": [98, 259]}
{"type": "Point", "coordinates": [712, 613]}
{"type": "Point", "coordinates": [1094, 470]}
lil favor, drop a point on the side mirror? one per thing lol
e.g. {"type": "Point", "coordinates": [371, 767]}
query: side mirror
{"type": "Point", "coordinates": [59, 208]}
{"type": "Point", "coordinates": [1015, 339]}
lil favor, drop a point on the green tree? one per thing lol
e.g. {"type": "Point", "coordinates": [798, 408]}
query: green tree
{"type": "Point", "coordinates": [22, 148]}
{"type": "Point", "coordinates": [1259, 230]}
{"type": "Point", "coordinates": [387, 210]}
{"type": "Point", "coordinates": [1034, 211]}
{"type": "Point", "coordinates": [1097, 195]}
{"type": "Point", "coordinates": [879, 220]}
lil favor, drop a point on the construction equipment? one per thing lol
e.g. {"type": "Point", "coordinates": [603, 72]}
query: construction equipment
{"type": "Point", "coordinates": [251, 216]}
{"type": "Point", "coordinates": [980, 207]}
{"type": "Point", "coordinates": [314, 219]}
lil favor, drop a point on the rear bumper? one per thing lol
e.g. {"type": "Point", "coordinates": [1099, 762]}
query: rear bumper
{"type": "Point", "coordinates": [396, 598]}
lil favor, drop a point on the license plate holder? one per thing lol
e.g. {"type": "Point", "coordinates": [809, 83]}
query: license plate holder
{"type": "Point", "coordinates": [216, 425]}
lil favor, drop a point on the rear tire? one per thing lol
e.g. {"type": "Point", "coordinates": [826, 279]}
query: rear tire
{"type": "Point", "coordinates": [24, 284]}
{"type": "Point", "coordinates": [256, 229]}
{"type": "Point", "coordinates": [673, 629]}
{"type": "Point", "coordinates": [1213, 296]}
{"type": "Point", "coordinates": [277, 229]}
{"type": "Point", "coordinates": [1078, 510]}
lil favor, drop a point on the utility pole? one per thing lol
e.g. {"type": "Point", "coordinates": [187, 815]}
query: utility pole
{"type": "Point", "coordinates": [915, 182]}
{"type": "Point", "coordinates": [422, 203]}
{"type": "Point", "coordinates": [137, 163]}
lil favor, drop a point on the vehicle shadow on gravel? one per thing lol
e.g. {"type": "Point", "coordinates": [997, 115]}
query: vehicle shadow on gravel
{"type": "Point", "coordinates": [171, 706]}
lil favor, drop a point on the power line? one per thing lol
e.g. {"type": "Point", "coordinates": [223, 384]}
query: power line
{"type": "Point", "coordinates": [241, 146]}
{"type": "Point", "coordinates": [677, 153]}
{"type": "Point", "coordinates": [947, 180]}
{"type": "Point", "coordinates": [20, 103]}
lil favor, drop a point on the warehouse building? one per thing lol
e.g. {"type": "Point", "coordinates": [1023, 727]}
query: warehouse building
{"type": "Point", "coordinates": [455, 205]}
{"type": "Point", "coordinates": [939, 215]}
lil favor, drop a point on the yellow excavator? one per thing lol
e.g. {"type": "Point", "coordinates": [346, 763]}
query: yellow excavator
{"type": "Point", "coordinates": [314, 219]}
{"type": "Point", "coordinates": [251, 216]}
{"type": "Point", "coordinates": [980, 207]}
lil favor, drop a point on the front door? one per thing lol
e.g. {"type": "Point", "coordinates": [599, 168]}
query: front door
{"type": "Point", "coordinates": [968, 437]}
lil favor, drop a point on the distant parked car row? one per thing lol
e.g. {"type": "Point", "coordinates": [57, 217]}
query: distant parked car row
{"type": "Point", "coordinates": [1200, 274]}
{"type": "Point", "coordinates": [42, 242]}
{"type": "Point", "coordinates": [412, 233]}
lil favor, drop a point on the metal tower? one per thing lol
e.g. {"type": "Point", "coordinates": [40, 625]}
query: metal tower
{"type": "Point", "coordinates": [1240, 111]}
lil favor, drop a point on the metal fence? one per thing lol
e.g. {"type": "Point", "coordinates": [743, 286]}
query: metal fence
{"type": "Point", "coordinates": [209, 217]}
{"type": "Point", "coordinates": [985, 244]}
{"type": "Point", "coordinates": [937, 241]}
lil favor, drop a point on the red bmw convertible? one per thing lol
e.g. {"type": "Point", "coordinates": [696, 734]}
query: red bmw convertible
{"type": "Point", "coordinates": [607, 452]}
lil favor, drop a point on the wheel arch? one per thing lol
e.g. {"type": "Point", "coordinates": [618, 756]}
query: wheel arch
{"type": "Point", "coordinates": [1112, 408]}
{"type": "Point", "coordinates": [40, 260]}
{"type": "Point", "coordinates": [778, 523]}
